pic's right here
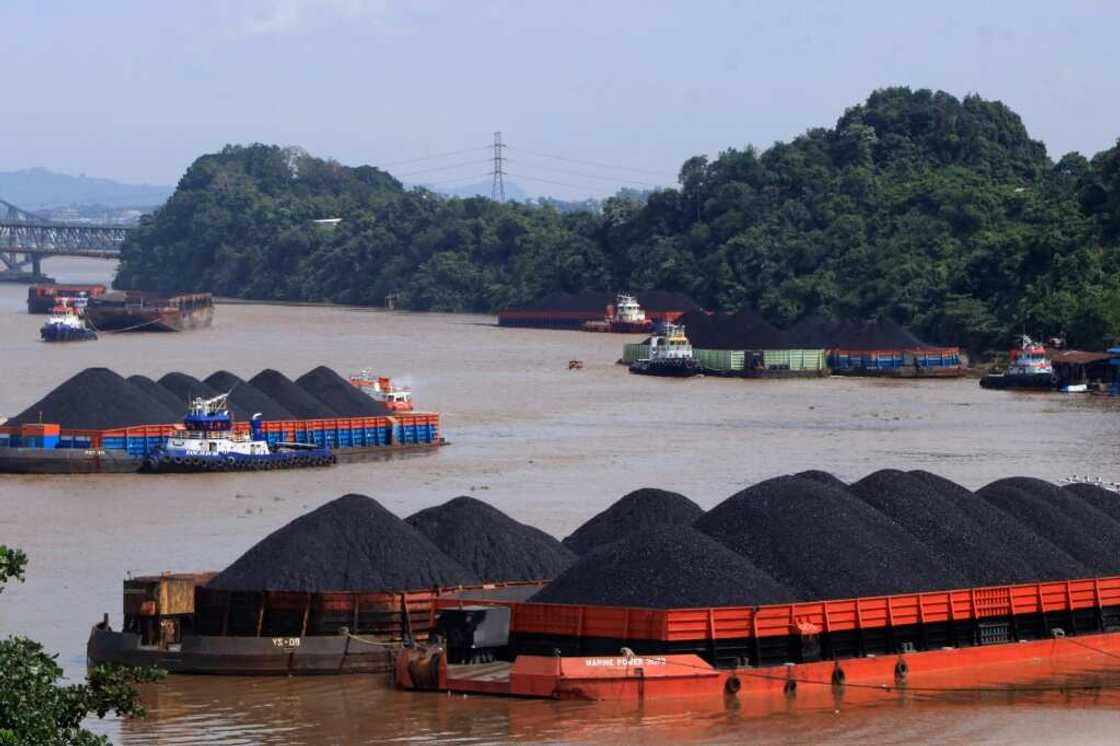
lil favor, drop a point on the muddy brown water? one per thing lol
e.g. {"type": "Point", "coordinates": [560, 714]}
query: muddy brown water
{"type": "Point", "coordinates": [549, 446]}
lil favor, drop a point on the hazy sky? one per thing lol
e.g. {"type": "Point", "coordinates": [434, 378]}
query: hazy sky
{"type": "Point", "coordinates": [136, 90]}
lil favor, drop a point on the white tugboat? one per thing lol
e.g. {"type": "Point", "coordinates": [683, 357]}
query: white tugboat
{"type": "Point", "coordinates": [625, 316]}
{"type": "Point", "coordinates": [206, 441]}
{"type": "Point", "coordinates": [670, 354]}
{"type": "Point", "coordinates": [1028, 367]}
{"type": "Point", "coordinates": [380, 388]}
{"type": "Point", "coordinates": [66, 324]}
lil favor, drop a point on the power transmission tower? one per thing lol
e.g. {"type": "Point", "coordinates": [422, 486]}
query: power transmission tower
{"type": "Point", "coordinates": [498, 187]}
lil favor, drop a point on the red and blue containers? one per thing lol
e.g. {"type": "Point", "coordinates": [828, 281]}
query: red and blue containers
{"type": "Point", "coordinates": [921, 361]}
{"type": "Point", "coordinates": [337, 434]}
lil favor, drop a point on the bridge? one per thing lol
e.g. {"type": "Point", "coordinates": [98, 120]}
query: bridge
{"type": "Point", "coordinates": [26, 239]}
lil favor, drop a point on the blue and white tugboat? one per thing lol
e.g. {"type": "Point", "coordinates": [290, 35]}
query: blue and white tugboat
{"type": "Point", "coordinates": [66, 324]}
{"type": "Point", "coordinates": [207, 442]}
{"type": "Point", "coordinates": [670, 354]}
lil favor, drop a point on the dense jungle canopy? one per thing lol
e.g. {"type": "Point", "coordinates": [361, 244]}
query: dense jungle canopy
{"type": "Point", "coordinates": [940, 213]}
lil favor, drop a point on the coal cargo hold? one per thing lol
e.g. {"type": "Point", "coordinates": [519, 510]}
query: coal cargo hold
{"type": "Point", "coordinates": [489, 543]}
{"type": "Point", "coordinates": [247, 397]}
{"type": "Point", "coordinates": [1027, 557]}
{"type": "Point", "coordinates": [1082, 531]}
{"type": "Point", "coordinates": [933, 519]}
{"type": "Point", "coordinates": [638, 511]}
{"type": "Point", "coordinates": [663, 568]}
{"type": "Point", "coordinates": [291, 397]}
{"type": "Point", "coordinates": [95, 399]}
{"type": "Point", "coordinates": [350, 544]}
{"type": "Point", "coordinates": [824, 542]}
{"type": "Point", "coordinates": [338, 394]}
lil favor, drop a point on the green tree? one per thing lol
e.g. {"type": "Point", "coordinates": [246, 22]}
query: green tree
{"type": "Point", "coordinates": [35, 708]}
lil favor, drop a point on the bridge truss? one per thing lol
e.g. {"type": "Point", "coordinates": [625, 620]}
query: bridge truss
{"type": "Point", "coordinates": [25, 239]}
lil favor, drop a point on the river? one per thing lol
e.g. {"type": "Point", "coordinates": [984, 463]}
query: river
{"type": "Point", "coordinates": [547, 445]}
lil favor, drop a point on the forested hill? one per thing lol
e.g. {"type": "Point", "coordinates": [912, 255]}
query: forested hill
{"type": "Point", "coordinates": [940, 213]}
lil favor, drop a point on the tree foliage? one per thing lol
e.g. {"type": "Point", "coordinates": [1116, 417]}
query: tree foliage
{"type": "Point", "coordinates": [941, 213]}
{"type": "Point", "coordinates": [35, 708]}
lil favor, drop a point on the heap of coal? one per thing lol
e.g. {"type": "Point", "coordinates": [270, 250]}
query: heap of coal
{"type": "Point", "coordinates": [1026, 556]}
{"type": "Point", "coordinates": [95, 399]}
{"type": "Point", "coordinates": [742, 330]}
{"type": "Point", "coordinates": [349, 544]}
{"type": "Point", "coordinates": [649, 300]}
{"type": "Point", "coordinates": [169, 400]}
{"type": "Point", "coordinates": [1085, 533]}
{"type": "Point", "coordinates": [339, 394]}
{"type": "Point", "coordinates": [638, 512]}
{"type": "Point", "coordinates": [666, 567]}
{"type": "Point", "coordinates": [1100, 498]}
{"type": "Point", "coordinates": [247, 397]}
{"type": "Point", "coordinates": [187, 388]}
{"type": "Point", "coordinates": [953, 537]}
{"type": "Point", "coordinates": [823, 542]}
{"type": "Point", "coordinates": [881, 334]}
{"type": "Point", "coordinates": [489, 543]}
{"type": "Point", "coordinates": [291, 397]}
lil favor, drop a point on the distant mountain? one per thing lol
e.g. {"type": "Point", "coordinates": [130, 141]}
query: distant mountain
{"type": "Point", "coordinates": [482, 189]}
{"type": "Point", "coordinates": [39, 188]}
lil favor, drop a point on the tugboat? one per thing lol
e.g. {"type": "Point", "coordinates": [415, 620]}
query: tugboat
{"type": "Point", "coordinates": [670, 354]}
{"type": "Point", "coordinates": [380, 388]}
{"type": "Point", "coordinates": [1028, 367]}
{"type": "Point", "coordinates": [624, 316]}
{"type": "Point", "coordinates": [207, 442]}
{"type": "Point", "coordinates": [66, 324]}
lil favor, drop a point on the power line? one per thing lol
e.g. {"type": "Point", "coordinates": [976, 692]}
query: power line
{"type": "Point", "coordinates": [442, 168]}
{"type": "Point", "coordinates": [593, 163]}
{"type": "Point", "coordinates": [433, 157]}
{"type": "Point", "coordinates": [593, 176]}
{"type": "Point", "coordinates": [546, 181]}
{"type": "Point", "coordinates": [481, 178]}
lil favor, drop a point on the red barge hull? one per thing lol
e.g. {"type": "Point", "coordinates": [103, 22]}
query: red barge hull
{"type": "Point", "coordinates": [877, 643]}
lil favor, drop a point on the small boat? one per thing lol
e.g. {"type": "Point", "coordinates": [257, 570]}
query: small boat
{"type": "Point", "coordinates": [624, 316]}
{"type": "Point", "coordinates": [381, 388]}
{"type": "Point", "coordinates": [1028, 367]}
{"type": "Point", "coordinates": [66, 324]}
{"type": "Point", "coordinates": [670, 354]}
{"type": "Point", "coordinates": [206, 441]}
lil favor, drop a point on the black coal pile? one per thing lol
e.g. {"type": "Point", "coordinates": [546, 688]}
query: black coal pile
{"type": "Point", "coordinates": [700, 328]}
{"type": "Point", "coordinates": [649, 300]}
{"type": "Point", "coordinates": [1102, 499]}
{"type": "Point", "coordinates": [881, 334]}
{"type": "Point", "coordinates": [247, 397]}
{"type": "Point", "coordinates": [489, 543]}
{"type": "Point", "coordinates": [666, 567]}
{"type": "Point", "coordinates": [291, 397]}
{"type": "Point", "coordinates": [1085, 533]}
{"type": "Point", "coordinates": [186, 388]}
{"type": "Point", "coordinates": [171, 402]}
{"type": "Point", "coordinates": [823, 477]}
{"type": "Point", "coordinates": [638, 512]}
{"type": "Point", "coordinates": [96, 398]}
{"type": "Point", "coordinates": [823, 542]}
{"type": "Point", "coordinates": [935, 520]}
{"type": "Point", "coordinates": [349, 544]}
{"type": "Point", "coordinates": [812, 332]}
{"type": "Point", "coordinates": [1027, 557]}
{"type": "Point", "coordinates": [339, 394]}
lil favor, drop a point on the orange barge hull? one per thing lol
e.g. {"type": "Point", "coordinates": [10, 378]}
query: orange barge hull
{"type": "Point", "coordinates": [598, 652]}
{"type": "Point", "coordinates": [638, 678]}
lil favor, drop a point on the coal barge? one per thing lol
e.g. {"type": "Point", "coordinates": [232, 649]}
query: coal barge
{"type": "Point", "coordinates": [65, 432]}
{"type": "Point", "coordinates": [135, 310]}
